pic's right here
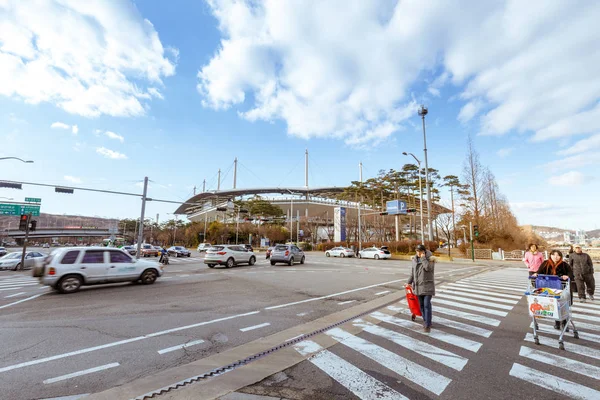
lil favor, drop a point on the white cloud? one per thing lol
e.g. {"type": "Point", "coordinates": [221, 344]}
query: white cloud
{"type": "Point", "coordinates": [115, 136]}
{"type": "Point", "coordinates": [110, 153]}
{"type": "Point", "coordinates": [572, 162]}
{"type": "Point", "coordinates": [582, 146]}
{"type": "Point", "coordinates": [341, 68]}
{"type": "Point", "coordinates": [72, 179]}
{"type": "Point", "coordinates": [75, 129]}
{"type": "Point", "coordinates": [505, 152]}
{"type": "Point", "coordinates": [77, 147]}
{"type": "Point", "coordinates": [60, 125]}
{"type": "Point", "coordinates": [87, 57]}
{"type": "Point", "coordinates": [572, 178]}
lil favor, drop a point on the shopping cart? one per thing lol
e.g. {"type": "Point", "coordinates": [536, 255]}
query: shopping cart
{"type": "Point", "coordinates": [550, 297]}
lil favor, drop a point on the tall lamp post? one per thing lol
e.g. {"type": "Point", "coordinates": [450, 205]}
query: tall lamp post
{"type": "Point", "coordinates": [423, 112]}
{"type": "Point", "coordinates": [291, 216]}
{"type": "Point", "coordinates": [420, 195]}
{"type": "Point", "coordinates": [16, 158]}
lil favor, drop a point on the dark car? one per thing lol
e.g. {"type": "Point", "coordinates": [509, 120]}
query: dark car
{"type": "Point", "coordinates": [249, 247]}
{"type": "Point", "coordinates": [178, 251]}
{"type": "Point", "coordinates": [3, 251]}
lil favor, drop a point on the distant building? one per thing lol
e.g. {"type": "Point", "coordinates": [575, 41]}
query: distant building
{"type": "Point", "coordinates": [568, 237]}
{"type": "Point", "coordinates": [580, 236]}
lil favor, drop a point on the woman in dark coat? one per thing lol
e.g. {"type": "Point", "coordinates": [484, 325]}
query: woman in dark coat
{"type": "Point", "coordinates": [555, 265]}
{"type": "Point", "coordinates": [422, 280]}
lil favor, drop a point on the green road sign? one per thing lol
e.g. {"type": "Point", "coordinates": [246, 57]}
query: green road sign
{"type": "Point", "coordinates": [19, 209]}
{"type": "Point", "coordinates": [33, 200]}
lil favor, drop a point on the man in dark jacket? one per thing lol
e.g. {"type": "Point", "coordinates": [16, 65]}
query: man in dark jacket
{"type": "Point", "coordinates": [422, 280]}
{"type": "Point", "coordinates": [583, 270]}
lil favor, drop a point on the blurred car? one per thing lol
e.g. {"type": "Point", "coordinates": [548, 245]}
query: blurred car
{"type": "Point", "coordinates": [12, 260]}
{"type": "Point", "coordinates": [178, 251]}
{"type": "Point", "coordinates": [375, 253]}
{"type": "Point", "coordinates": [339, 252]}
{"type": "Point", "coordinates": [3, 251]}
{"type": "Point", "coordinates": [129, 250]}
{"type": "Point", "coordinates": [149, 251]}
{"type": "Point", "coordinates": [202, 247]}
{"type": "Point", "coordinates": [269, 251]}
{"type": "Point", "coordinates": [66, 270]}
{"type": "Point", "coordinates": [46, 246]}
{"type": "Point", "coordinates": [248, 247]}
{"type": "Point", "coordinates": [287, 253]}
{"type": "Point", "coordinates": [228, 255]}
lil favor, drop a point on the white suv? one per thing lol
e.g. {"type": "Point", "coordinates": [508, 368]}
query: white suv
{"type": "Point", "coordinates": [228, 255]}
{"type": "Point", "coordinates": [203, 247]}
{"type": "Point", "coordinates": [67, 269]}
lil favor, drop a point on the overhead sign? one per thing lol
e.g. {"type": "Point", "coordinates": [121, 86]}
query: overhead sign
{"type": "Point", "coordinates": [19, 209]}
{"type": "Point", "coordinates": [33, 200]}
{"type": "Point", "coordinates": [395, 207]}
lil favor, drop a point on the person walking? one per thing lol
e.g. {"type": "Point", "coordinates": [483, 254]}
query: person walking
{"type": "Point", "coordinates": [583, 270]}
{"type": "Point", "coordinates": [556, 266]}
{"type": "Point", "coordinates": [533, 259]}
{"type": "Point", "coordinates": [422, 280]}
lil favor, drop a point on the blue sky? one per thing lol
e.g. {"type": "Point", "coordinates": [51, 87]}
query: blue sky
{"type": "Point", "coordinates": [175, 92]}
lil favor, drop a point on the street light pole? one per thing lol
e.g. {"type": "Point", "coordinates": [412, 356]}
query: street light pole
{"type": "Point", "coordinates": [16, 158]}
{"type": "Point", "coordinates": [423, 112]}
{"type": "Point", "coordinates": [420, 196]}
{"type": "Point", "coordinates": [141, 230]}
{"type": "Point", "coordinates": [359, 206]}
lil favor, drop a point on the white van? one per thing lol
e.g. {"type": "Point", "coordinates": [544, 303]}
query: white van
{"type": "Point", "coordinates": [67, 269]}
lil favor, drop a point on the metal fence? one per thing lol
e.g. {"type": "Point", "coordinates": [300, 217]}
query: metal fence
{"type": "Point", "coordinates": [481, 254]}
{"type": "Point", "coordinates": [518, 255]}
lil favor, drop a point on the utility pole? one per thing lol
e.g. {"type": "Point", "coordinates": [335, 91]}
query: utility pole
{"type": "Point", "coordinates": [423, 112]}
{"type": "Point", "coordinates": [219, 180]}
{"type": "Point", "coordinates": [359, 206]}
{"type": "Point", "coordinates": [205, 223]}
{"type": "Point", "coordinates": [306, 169]}
{"type": "Point", "coordinates": [194, 190]}
{"type": "Point", "coordinates": [234, 173]}
{"type": "Point", "coordinates": [472, 246]}
{"type": "Point", "coordinates": [297, 225]}
{"type": "Point", "coordinates": [25, 242]}
{"type": "Point", "coordinates": [141, 230]}
{"type": "Point", "coordinates": [204, 186]}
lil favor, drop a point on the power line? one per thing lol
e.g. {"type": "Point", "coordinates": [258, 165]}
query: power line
{"type": "Point", "coordinates": [321, 169]}
{"type": "Point", "coordinates": [247, 169]}
{"type": "Point", "coordinates": [292, 170]}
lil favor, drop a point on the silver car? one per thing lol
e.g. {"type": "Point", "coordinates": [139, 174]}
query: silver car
{"type": "Point", "coordinates": [13, 260]}
{"type": "Point", "coordinates": [287, 253]}
{"type": "Point", "coordinates": [228, 255]}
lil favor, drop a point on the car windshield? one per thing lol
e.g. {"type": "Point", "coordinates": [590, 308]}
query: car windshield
{"type": "Point", "coordinates": [281, 248]}
{"type": "Point", "coordinates": [217, 248]}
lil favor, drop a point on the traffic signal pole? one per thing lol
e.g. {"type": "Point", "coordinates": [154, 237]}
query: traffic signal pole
{"type": "Point", "coordinates": [472, 246]}
{"type": "Point", "coordinates": [25, 242]}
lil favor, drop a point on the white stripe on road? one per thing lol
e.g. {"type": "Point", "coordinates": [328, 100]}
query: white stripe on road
{"type": "Point", "coordinates": [251, 328]}
{"type": "Point", "coordinates": [585, 317]}
{"type": "Point", "coordinates": [549, 329]}
{"type": "Point", "coordinates": [585, 310]}
{"type": "Point", "coordinates": [21, 301]}
{"type": "Point", "coordinates": [346, 302]}
{"type": "Point", "coordinates": [583, 325]}
{"type": "Point", "coordinates": [469, 307]}
{"type": "Point", "coordinates": [468, 316]}
{"type": "Point", "coordinates": [570, 347]}
{"type": "Point", "coordinates": [302, 314]}
{"type": "Point", "coordinates": [80, 373]}
{"type": "Point", "coordinates": [333, 295]}
{"type": "Point", "coordinates": [485, 292]}
{"type": "Point", "coordinates": [513, 283]}
{"type": "Point", "coordinates": [422, 376]}
{"type": "Point", "coordinates": [567, 388]}
{"type": "Point", "coordinates": [120, 342]}
{"type": "Point", "coordinates": [19, 284]}
{"type": "Point", "coordinates": [14, 295]}
{"type": "Point", "coordinates": [586, 305]}
{"type": "Point", "coordinates": [489, 297]}
{"type": "Point", "coordinates": [455, 340]}
{"type": "Point", "coordinates": [491, 287]}
{"type": "Point", "coordinates": [447, 358]}
{"type": "Point", "coordinates": [14, 288]}
{"type": "Point", "coordinates": [181, 346]}
{"type": "Point", "coordinates": [561, 362]}
{"type": "Point", "coordinates": [364, 386]}
{"type": "Point", "coordinates": [458, 325]}
{"type": "Point", "coordinates": [488, 303]}
{"type": "Point", "coordinates": [384, 292]}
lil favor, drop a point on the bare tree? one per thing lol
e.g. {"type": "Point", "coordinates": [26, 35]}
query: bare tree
{"type": "Point", "coordinates": [473, 175]}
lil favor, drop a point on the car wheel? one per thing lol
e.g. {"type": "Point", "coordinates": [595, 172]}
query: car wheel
{"type": "Point", "coordinates": [69, 284]}
{"type": "Point", "coordinates": [230, 263]}
{"type": "Point", "coordinates": [16, 268]}
{"type": "Point", "coordinates": [327, 255]}
{"type": "Point", "coordinates": [189, 254]}
{"type": "Point", "coordinates": [359, 255]}
{"type": "Point", "coordinates": [376, 256]}
{"type": "Point", "coordinates": [252, 260]}
{"type": "Point", "coordinates": [302, 260]}
{"type": "Point", "coordinates": [272, 262]}
{"type": "Point", "coordinates": [149, 277]}
{"type": "Point", "coordinates": [342, 255]}
{"type": "Point", "coordinates": [211, 265]}
{"type": "Point", "coordinates": [176, 255]}
{"type": "Point", "coordinates": [291, 262]}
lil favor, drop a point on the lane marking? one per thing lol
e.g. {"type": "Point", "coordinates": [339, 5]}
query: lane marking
{"type": "Point", "coordinates": [434, 353]}
{"type": "Point", "coordinates": [14, 295]}
{"type": "Point", "coordinates": [80, 373]}
{"type": "Point", "coordinates": [22, 300]}
{"type": "Point", "coordinates": [363, 385]}
{"type": "Point", "coordinates": [180, 346]}
{"type": "Point", "coordinates": [251, 328]}
{"type": "Point", "coordinates": [457, 325]}
{"type": "Point", "coordinates": [346, 302]}
{"type": "Point", "coordinates": [485, 292]}
{"type": "Point", "coordinates": [585, 317]}
{"type": "Point", "coordinates": [422, 376]}
{"type": "Point", "coordinates": [12, 288]}
{"type": "Point", "coordinates": [492, 288]}
{"type": "Point", "coordinates": [452, 291]}
{"type": "Point", "coordinates": [489, 303]}
{"type": "Point", "coordinates": [588, 370]}
{"type": "Point", "coordinates": [559, 385]}
{"type": "Point", "coordinates": [332, 295]}
{"type": "Point", "coordinates": [120, 342]}
{"type": "Point", "coordinates": [588, 311]}
{"type": "Point", "coordinates": [549, 330]}
{"type": "Point", "coordinates": [384, 292]}
{"type": "Point", "coordinates": [570, 347]}
{"type": "Point", "coordinates": [302, 314]}
{"type": "Point", "coordinates": [442, 336]}
{"type": "Point", "coordinates": [469, 307]}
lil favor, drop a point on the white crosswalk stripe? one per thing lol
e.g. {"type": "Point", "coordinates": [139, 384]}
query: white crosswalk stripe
{"type": "Point", "coordinates": [16, 283]}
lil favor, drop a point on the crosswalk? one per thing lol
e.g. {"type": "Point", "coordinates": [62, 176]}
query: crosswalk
{"type": "Point", "coordinates": [573, 372]}
{"type": "Point", "coordinates": [20, 283]}
{"type": "Point", "coordinates": [465, 316]}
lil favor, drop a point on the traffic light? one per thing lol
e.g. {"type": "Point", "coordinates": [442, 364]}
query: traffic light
{"type": "Point", "coordinates": [63, 190]}
{"type": "Point", "coordinates": [383, 213]}
{"type": "Point", "coordinates": [23, 222]}
{"type": "Point", "coordinates": [221, 208]}
{"type": "Point", "coordinates": [33, 225]}
{"type": "Point", "coordinates": [476, 230]}
{"type": "Point", "coordinates": [411, 210]}
{"type": "Point", "coordinates": [11, 185]}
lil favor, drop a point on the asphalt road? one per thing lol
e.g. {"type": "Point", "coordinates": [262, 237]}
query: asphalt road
{"type": "Point", "coordinates": [104, 336]}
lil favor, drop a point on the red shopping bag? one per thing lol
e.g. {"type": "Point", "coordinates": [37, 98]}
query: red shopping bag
{"type": "Point", "coordinates": [413, 302]}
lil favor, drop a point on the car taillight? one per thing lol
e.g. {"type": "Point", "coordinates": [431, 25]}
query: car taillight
{"type": "Point", "coordinates": [52, 271]}
{"type": "Point", "coordinates": [287, 253]}
{"type": "Point", "coordinates": [222, 253]}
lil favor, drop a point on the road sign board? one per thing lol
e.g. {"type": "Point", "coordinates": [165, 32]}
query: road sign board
{"type": "Point", "coordinates": [19, 209]}
{"type": "Point", "coordinates": [394, 207]}
{"type": "Point", "coordinates": [33, 200]}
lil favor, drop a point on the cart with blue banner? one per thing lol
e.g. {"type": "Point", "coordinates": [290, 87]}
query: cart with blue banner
{"type": "Point", "coordinates": [549, 297]}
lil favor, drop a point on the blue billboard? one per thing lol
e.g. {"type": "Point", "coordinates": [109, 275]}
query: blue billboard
{"type": "Point", "coordinates": [394, 207]}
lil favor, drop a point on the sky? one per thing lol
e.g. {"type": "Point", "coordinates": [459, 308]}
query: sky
{"type": "Point", "coordinates": [102, 93]}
